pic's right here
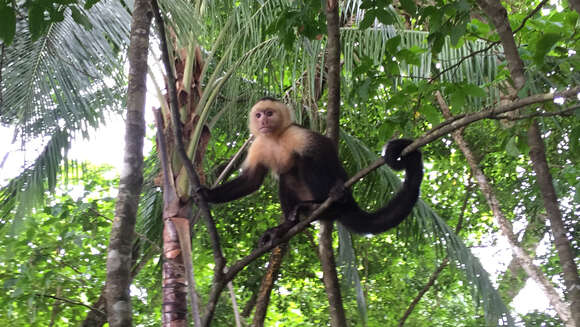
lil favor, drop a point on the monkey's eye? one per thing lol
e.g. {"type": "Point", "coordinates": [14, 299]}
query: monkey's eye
{"type": "Point", "coordinates": [269, 113]}
{"type": "Point", "coordinates": [258, 115]}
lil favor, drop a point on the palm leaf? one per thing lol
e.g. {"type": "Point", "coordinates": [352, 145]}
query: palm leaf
{"type": "Point", "coordinates": [69, 77]}
{"type": "Point", "coordinates": [57, 88]}
{"type": "Point", "coordinates": [29, 188]}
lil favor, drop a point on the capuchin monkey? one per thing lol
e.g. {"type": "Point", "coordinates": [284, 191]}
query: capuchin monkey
{"type": "Point", "coordinates": [310, 171]}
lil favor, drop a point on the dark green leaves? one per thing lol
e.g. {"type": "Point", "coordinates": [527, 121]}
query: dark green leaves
{"type": "Point", "coordinates": [7, 23]}
{"type": "Point", "coordinates": [303, 18]}
{"type": "Point", "coordinates": [41, 14]}
{"type": "Point", "coordinates": [80, 18]}
{"type": "Point", "coordinates": [377, 10]}
{"type": "Point", "coordinates": [545, 45]}
{"type": "Point", "coordinates": [409, 6]}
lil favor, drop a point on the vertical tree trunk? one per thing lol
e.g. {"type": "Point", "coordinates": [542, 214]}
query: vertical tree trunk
{"type": "Point", "coordinates": [121, 240]}
{"type": "Point", "coordinates": [498, 16]}
{"type": "Point", "coordinates": [561, 240]}
{"type": "Point", "coordinates": [329, 276]}
{"type": "Point", "coordinates": [263, 298]}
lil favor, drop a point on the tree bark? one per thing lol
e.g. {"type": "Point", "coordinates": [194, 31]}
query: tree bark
{"type": "Point", "coordinates": [498, 15]}
{"type": "Point", "coordinates": [561, 238]}
{"type": "Point", "coordinates": [329, 274]}
{"type": "Point", "coordinates": [120, 244]}
{"type": "Point", "coordinates": [505, 225]}
{"type": "Point", "coordinates": [270, 277]}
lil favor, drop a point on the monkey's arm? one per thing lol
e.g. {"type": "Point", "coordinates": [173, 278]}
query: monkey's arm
{"type": "Point", "coordinates": [248, 182]}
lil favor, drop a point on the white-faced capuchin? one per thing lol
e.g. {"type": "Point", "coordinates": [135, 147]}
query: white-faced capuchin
{"type": "Point", "coordinates": [309, 171]}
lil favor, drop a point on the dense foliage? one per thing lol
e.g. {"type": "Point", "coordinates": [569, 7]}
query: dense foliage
{"type": "Point", "coordinates": [56, 220]}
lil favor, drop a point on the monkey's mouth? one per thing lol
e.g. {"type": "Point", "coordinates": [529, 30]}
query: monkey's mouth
{"type": "Point", "coordinates": [265, 130]}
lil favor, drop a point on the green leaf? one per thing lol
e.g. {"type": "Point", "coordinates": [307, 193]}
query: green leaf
{"type": "Point", "coordinates": [367, 21]}
{"type": "Point", "coordinates": [393, 44]}
{"type": "Point", "coordinates": [474, 90]}
{"type": "Point", "coordinates": [81, 19]}
{"type": "Point", "coordinates": [36, 22]}
{"type": "Point", "coordinates": [409, 6]}
{"type": "Point", "coordinates": [457, 99]}
{"type": "Point", "coordinates": [393, 68]}
{"type": "Point", "coordinates": [409, 56]}
{"type": "Point", "coordinates": [385, 17]}
{"type": "Point", "coordinates": [544, 45]}
{"type": "Point", "coordinates": [90, 3]}
{"type": "Point", "coordinates": [457, 33]}
{"type": "Point", "coordinates": [512, 147]}
{"type": "Point", "coordinates": [386, 130]}
{"type": "Point", "coordinates": [431, 114]}
{"type": "Point", "coordinates": [363, 90]}
{"type": "Point", "coordinates": [7, 24]}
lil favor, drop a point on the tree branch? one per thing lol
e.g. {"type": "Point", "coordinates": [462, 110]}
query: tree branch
{"type": "Point", "coordinates": [71, 302]}
{"type": "Point", "coordinates": [564, 112]}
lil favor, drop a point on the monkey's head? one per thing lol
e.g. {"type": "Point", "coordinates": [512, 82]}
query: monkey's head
{"type": "Point", "coordinates": [269, 117]}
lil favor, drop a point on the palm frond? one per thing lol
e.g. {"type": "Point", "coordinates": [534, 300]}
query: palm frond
{"type": "Point", "coordinates": [29, 188]}
{"type": "Point", "coordinates": [69, 77]}
{"type": "Point", "coordinates": [471, 62]}
{"type": "Point", "coordinates": [57, 88]}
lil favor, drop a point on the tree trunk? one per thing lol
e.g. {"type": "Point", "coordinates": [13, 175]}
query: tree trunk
{"type": "Point", "coordinates": [561, 238]}
{"type": "Point", "coordinates": [329, 275]}
{"type": "Point", "coordinates": [498, 16]}
{"type": "Point", "coordinates": [121, 241]}
{"type": "Point", "coordinates": [505, 226]}
{"type": "Point", "coordinates": [174, 312]}
{"type": "Point", "coordinates": [270, 277]}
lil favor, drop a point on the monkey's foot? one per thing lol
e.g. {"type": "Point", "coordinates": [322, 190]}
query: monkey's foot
{"type": "Point", "coordinates": [276, 232]}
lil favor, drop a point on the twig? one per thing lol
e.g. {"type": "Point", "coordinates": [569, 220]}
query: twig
{"type": "Point", "coordinates": [71, 302]}
{"type": "Point", "coordinates": [464, 120]}
{"type": "Point", "coordinates": [532, 13]}
{"type": "Point", "coordinates": [225, 172]}
{"type": "Point", "coordinates": [443, 264]}
{"type": "Point", "coordinates": [491, 45]}
{"type": "Point", "coordinates": [473, 54]}
{"type": "Point", "coordinates": [563, 112]}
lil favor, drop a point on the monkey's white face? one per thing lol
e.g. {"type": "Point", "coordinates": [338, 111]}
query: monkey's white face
{"type": "Point", "coordinates": [267, 119]}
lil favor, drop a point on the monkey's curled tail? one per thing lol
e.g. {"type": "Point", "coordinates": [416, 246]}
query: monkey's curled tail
{"type": "Point", "coordinates": [401, 204]}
